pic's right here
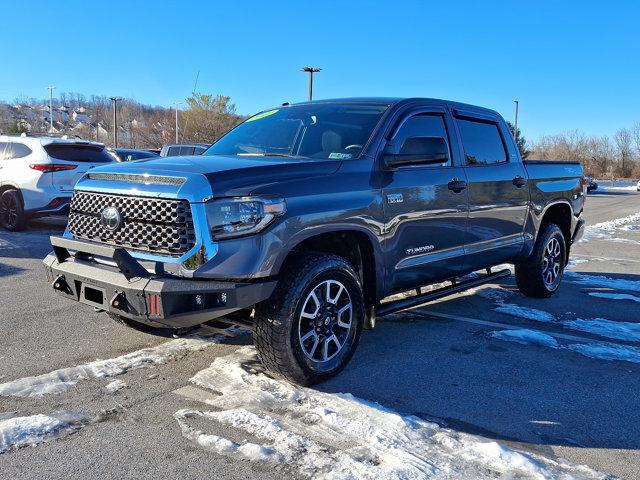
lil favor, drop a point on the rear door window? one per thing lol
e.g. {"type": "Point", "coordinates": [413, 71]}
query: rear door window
{"type": "Point", "coordinates": [482, 142]}
{"type": "Point", "coordinates": [78, 153]}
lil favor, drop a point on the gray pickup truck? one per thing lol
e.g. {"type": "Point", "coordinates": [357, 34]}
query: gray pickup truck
{"type": "Point", "coordinates": [302, 221]}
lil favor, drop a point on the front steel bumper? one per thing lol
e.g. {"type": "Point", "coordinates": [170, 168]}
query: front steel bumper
{"type": "Point", "coordinates": [110, 279]}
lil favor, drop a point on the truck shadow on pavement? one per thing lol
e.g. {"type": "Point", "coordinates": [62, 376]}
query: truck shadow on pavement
{"type": "Point", "coordinates": [455, 374]}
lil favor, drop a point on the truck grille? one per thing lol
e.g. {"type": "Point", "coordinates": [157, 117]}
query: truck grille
{"type": "Point", "coordinates": [148, 224]}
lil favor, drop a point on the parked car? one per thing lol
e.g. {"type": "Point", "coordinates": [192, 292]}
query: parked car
{"type": "Point", "coordinates": [37, 175]}
{"type": "Point", "coordinates": [591, 184]}
{"type": "Point", "coordinates": [638, 186]}
{"type": "Point", "coordinates": [183, 149]}
{"type": "Point", "coordinates": [129, 154]}
{"type": "Point", "coordinates": [303, 220]}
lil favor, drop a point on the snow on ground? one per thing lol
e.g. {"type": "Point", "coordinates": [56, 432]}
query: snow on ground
{"type": "Point", "coordinates": [525, 312]}
{"type": "Point", "coordinates": [589, 280]}
{"type": "Point", "coordinates": [61, 380]}
{"type": "Point", "coordinates": [607, 351]}
{"type": "Point", "coordinates": [607, 328]}
{"type": "Point", "coordinates": [606, 229]}
{"type": "Point", "coordinates": [597, 350]}
{"type": "Point", "coordinates": [338, 436]}
{"type": "Point", "coordinates": [525, 336]}
{"type": "Point", "coordinates": [20, 432]}
{"type": "Point", "coordinates": [115, 386]}
{"type": "Point", "coordinates": [615, 296]}
{"type": "Point", "coordinates": [629, 188]}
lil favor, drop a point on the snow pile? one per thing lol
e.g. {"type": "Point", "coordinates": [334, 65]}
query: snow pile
{"type": "Point", "coordinates": [525, 336]}
{"type": "Point", "coordinates": [597, 350]}
{"type": "Point", "coordinates": [115, 386]}
{"type": "Point", "coordinates": [607, 328]}
{"type": "Point", "coordinates": [615, 296]}
{"type": "Point", "coordinates": [20, 432]}
{"type": "Point", "coordinates": [603, 282]}
{"type": "Point", "coordinates": [337, 436]}
{"type": "Point", "coordinates": [607, 351]}
{"type": "Point", "coordinates": [604, 230]}
{"type": "Point", "coordinates": [525, 312]}
{"type": "Point", "coordinates": [61, 380]}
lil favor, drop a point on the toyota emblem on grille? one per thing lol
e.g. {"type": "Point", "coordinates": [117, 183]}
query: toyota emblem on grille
{"type": "Point", "coordinates": [111, 219]}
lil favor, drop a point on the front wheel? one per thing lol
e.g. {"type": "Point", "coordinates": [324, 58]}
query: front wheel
{"type": "Point", "coordinates": [539, 276]}
{"type": "Point", "coordinates": [309, 329]}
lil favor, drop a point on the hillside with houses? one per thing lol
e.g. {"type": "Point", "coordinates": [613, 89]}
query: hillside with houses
{"type": "Point", "coordinates": [139, 126]}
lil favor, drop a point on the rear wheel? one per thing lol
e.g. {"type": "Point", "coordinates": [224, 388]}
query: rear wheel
{"type": "Point", "coordinates": [309, 329]}
{"type": "Point", "coordinates": [12, 215]}
{"type": "Point", "coordinates": [540, 275]}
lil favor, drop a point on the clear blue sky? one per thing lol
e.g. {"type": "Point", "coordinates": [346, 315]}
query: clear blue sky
{"type": "Point", "coordinates": [572, 65]}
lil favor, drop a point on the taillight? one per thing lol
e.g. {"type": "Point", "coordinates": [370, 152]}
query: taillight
{"type": "Point", "coordinates": [51, 167]}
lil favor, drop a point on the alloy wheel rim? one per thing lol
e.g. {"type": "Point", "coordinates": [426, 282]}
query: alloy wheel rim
{"type": "Point", "coordinates": [325, 321]}
{"type": "Point", "coordinates": [551, 262]}
{"type": "Point", "coordinates": [9, 211]}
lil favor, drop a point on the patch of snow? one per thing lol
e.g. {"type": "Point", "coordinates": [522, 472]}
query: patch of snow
{"type": "Point", "coordinates": [116, 385]}
{"type": "Point", "coordinates": [496, 294]}
{"type": "Point", "coordinates": [525, 336]}
{"type": "Point", "coordinates": [597, 350]}
{"type": "Point", "coordinates": [577, 261]}
{"type": "Point", "coordinates": [61, 380]}
{"type": "Point", "coordinates": [604, 230]}
{"type": "Point", "coordinates": [630, 188]}
{"type": "Point", "coordinates": [615, 296]}
{"type": "Point", "coordinates": [607, 328]}
{"type": "Point", "coordinates": [18, 432]}
{"type": "Point", "coordinates": [338, 436]}
{"type": "Point", "coordinates": [607, 351]}
{"type": "Point", "coordinates": [602, 281]}
{"type": "Point", "coordinates": [525, 312]}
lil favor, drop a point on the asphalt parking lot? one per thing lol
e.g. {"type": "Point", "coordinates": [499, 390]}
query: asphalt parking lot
{"type": "Point", "coordinates": [557, 378]}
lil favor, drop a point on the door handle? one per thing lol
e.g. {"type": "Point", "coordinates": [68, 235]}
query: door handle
{"type": "Point", "coordinates": [457, 185]}
{"type": "Point", "coordinates": [519, 181]}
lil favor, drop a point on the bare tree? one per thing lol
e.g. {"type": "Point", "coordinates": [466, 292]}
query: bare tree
{"type": "Point", "coordinates": [624, 140]}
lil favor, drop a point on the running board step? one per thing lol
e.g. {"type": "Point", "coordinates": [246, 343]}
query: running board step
{"type": "Point", "coordinates": [418, 300]}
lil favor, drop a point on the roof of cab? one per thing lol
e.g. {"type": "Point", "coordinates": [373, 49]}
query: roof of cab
{"type": "Point", "coordinates": [401, 101]}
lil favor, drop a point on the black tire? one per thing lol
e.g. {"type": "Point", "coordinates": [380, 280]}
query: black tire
{"type": "Point", "coordinates": [280, 324]}
{"type": "Point", "coordinates": [536, 276]}
{"type": "Point", "coordinates": [12, 216]}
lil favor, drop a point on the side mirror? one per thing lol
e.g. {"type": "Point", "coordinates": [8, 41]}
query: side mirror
{"type": "Point", "coordinates": [417, 151]}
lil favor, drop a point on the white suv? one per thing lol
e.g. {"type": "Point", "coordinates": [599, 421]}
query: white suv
{"type": "Point", "coordinates": [37, 175]}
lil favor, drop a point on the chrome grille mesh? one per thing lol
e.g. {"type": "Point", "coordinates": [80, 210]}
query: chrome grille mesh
{"type": "Point", "coordinates": [149, 224]}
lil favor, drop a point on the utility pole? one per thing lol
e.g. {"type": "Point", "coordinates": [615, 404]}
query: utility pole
{"type": "Point", "coordinates": [114, 100]}
{"type": "Point", "coordinates": [310, 71]}
{"type": "Point", "coordinates": [176, 105]}
{"type": "Point", "coordinates": [50, 88]}
{"type": "Point", "coordinates": [515, 125]}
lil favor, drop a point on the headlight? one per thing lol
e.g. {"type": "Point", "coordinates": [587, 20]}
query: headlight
{"type": "Point", "coordinates": [234, 217]}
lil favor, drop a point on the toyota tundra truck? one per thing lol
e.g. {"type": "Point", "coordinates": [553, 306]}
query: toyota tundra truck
{"type": "Point", "coordinates": [306, 219]}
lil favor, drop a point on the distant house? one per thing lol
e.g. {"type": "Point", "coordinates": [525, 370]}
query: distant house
{"type": "Point", "coordinates": [80, 115]}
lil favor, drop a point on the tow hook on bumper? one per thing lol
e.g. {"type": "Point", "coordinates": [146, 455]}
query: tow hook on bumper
{"type": "Point", "coordinates": [131, 291]}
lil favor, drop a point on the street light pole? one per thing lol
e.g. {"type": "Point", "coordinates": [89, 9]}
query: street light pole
{"type": "Point", "coordinates": [176, 105]}
{"type": "Point", "coordinates": [515, 125]}
{"type": "Point", "coordinates": [310, 71]}
{"type": "Point", "coordinates": [114, 100]}
{"type": "Point", "coordinates": [50, 88]}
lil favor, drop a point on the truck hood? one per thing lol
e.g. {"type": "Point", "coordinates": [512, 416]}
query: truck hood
{"type": "Point", "coordinates": [209, 175]}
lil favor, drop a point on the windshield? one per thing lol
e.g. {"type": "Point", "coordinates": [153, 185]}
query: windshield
{"type": "Point", "coordinates": [325, 131]}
